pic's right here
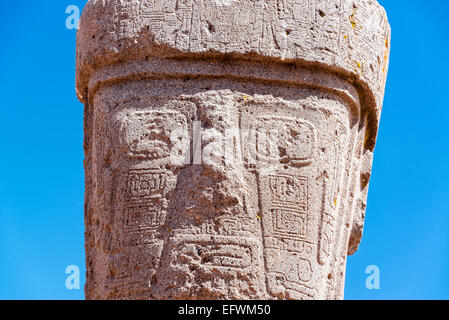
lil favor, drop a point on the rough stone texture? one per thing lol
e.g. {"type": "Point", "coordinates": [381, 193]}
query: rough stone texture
{"type": "Point", "coordinates": [228, 144]}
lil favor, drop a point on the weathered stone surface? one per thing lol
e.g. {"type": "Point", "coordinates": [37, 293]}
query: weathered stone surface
{"type": "Point", "coordinates": [228, 144]}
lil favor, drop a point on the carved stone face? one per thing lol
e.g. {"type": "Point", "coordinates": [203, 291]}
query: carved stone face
{"type": "Point", "coordinates": [215, 189]}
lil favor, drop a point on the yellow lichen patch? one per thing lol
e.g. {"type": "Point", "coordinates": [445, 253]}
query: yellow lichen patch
{"type": "Point", "coordinates": [387, 45]}
{"type": "Point", "coordinates": [335, 201]}
{"type": "Point", "coordinates": [366, 140]}
{"type": "Point", "coordinates": [345, 37]}
{"type": "Point", "coordinates": [360, 66]}
{"type": "Point", "coordinates": [352, 21]}
{"type": "Point", "coordinates": [245, 98]}
{"type": "Point", "coordinates": [258, 217]}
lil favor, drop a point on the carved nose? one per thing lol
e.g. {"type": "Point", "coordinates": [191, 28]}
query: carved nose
{"type": "Point", "coordinates": [210, 191]}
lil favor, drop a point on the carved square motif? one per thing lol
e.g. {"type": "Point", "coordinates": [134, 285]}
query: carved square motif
{"type": "Point", "coordinates": [285, 140]}
{"type": "Point", "coordinates": [146, 203]}
{"type": "Point", "coordinates": [145, 184]}
{"type": "Point", "coordinates": [145, 215]}
{"type": "Point", "coordinates": [289, 224]}
{"type": "Point", "coordinates": [148, 134]}
{"type": "Point", "coordinates": [289, 190]}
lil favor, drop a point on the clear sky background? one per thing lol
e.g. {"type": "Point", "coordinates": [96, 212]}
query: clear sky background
{"type": "Point", "coordinates": [42, 179]}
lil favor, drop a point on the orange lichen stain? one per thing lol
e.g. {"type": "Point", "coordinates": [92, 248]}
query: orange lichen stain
{"type": "Point", "coordinates": [387, 45]}
{"type": "Point", "coordinates": [352, 21]}
{"type": "Point", "coordinates": [345, 37]}
{"type": "Point", "coordinates": [366, 140]}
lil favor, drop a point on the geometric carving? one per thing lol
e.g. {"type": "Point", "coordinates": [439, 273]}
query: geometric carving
{"type": "Point", "coordinates": [236, 226]}
{"type": "Point", "coordinates": [326, 235]}
{"type": "Point", "coordinates": [283, 140]}
{"type": "Point", "coordinates": [331, 192]}
{"type": "Point", "coordinates": [288, 190]}
{"type": "Point", "coordinates": [144, 216]}
{"type": "Point", "coordinates": [288, 195]}
{"type": "Point", "coordinates": [222, 252]}
{"type": "Point", "coordinates": [289, 224]}
{"type": "Point", "coordinates": [226, 266]}
{"type": "Point", "coordinates": [285, 221]}
{"type": "Point", "coordinates": [292, 278]}
{"type": "Point", "coordinates": [146, 184]}
{"type": "Point", "coordinates": [145, 212]}
{"type": "Point", "coordinates": [146, 203]}
{"type": "Point", "coordinates": [147, 133]}
{"type": "Point", "coordinates": [131, 270]}
{"type": "Point", "coordinates": [339, 154]}
{"type": "Point", "coordinates": [302, 59]}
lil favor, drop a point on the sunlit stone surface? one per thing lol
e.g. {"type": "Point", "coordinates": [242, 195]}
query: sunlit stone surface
{"type": "Point", "coordinates": [228, 144]}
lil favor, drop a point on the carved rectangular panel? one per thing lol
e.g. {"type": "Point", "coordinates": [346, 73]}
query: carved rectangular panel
{"type": "Point", "coordinates": [146, 203]}
{"type": "Point", "coordinates": [275, 140]}
{"type": "Point", "coordinates": [289, 190]}
{"type": "Point", "coordinates": [288, 195]}
{"type": "Point", "coordinates": [286, 220]}
{"type": "Point", "coordinates": [148, 134]}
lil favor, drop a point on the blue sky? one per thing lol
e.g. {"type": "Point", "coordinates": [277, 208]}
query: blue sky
{"type": "Point", "coordinates": [42, 181]}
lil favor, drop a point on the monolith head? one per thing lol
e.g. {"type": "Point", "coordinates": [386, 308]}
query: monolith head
{"type": "Point", "coordinates": [228, 144]}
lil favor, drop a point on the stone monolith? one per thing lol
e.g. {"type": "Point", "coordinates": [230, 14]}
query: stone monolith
{"type": "Point", "coordinates": [228, 144]}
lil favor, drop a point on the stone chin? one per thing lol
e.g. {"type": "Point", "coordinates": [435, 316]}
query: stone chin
{"type": "Point", "coordinates": [224, 161]}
